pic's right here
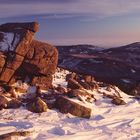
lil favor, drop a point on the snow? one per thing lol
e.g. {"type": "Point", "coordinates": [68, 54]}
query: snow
{"type": "Point", "coordinates": [133, 71]}
{"type": "Point", "coordinates": [95, 61]}
{"type": "Point", "coordinates": [126, 80]}
{"type": "Point", "coordinates": [7, 40]}
{"type": "Point", "coordinates": [108, 121]}
{"type": "Point", "coordinates": [134, 48]}
{"type": "Point", "coordinates": [59, 78]}
{"type": "Point", "coordinates": [6, 43]}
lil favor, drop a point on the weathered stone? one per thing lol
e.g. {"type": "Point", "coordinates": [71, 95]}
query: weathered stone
{"type": "Point", "coordinates": [118, 101]}
{"type": "Point", "coordinates": [85, 85]}
{"type": "Point", "coordinates": [8, 136]}
{"type": "Point", "coordinates": [40, 64]}
{"type": "Point", "coordinates": [37, 106]}
{"type": "Point", "coordinates": [14, 103]}
{"type": "Point", "coordinates": [43, 57]}
{"type": "Point", "coordinates": [3, 102]}
{"type": "Point", "coordinates": [6, 75]}
{"type": "Point", "coordinates": [73, 84]}
{"type": "Point", "coordinates": [44, 82]}
{"type": "Point", "coordinates": [61, 89]}
{"type": "Point", "coordinates": [2, 61]}
{"type": "Point", "coordinates": [136, 90]}
{"type": "Point", "coordinates": [22, 57]}
{"type": "Point", "coordinates": [15, 47]}
{"type": "Point", "coordinates": [8, 27]}
{"type": "Point", "coordinates": [65, 105]}
{"type": "Point", "coordinates": [78, 92]}
{"type": "Point", "coordinates": [70, 76]}
{"type": "Point", "coordinates": [108, 88]}
{"type": "Point", "coordinates": [88, 78]}
{"type": "Point", "coordinates": [2, 90]}
{"type": "Point", "coordinates": [88, 85]}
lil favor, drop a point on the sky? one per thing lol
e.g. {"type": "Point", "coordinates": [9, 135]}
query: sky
{"type": "Point", "coordinates": [108, 23]}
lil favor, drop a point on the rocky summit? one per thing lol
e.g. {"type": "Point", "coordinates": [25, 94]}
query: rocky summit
{"type": "Point", "coordinates": [24, 58]}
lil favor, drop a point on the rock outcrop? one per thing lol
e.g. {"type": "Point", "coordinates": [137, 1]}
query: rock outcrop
{"type": "Point", "coordinates": [22, 57]}
{"type": "Point", "coordinates": [14, 44]}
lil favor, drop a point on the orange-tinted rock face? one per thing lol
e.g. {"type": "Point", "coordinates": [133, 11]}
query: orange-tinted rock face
{"type": "Point", "coordinates": [22, 56]}
{"type": "Point", "coordinates": [14, 45]}
{"type": "Point", "coordinates": [65, 105]}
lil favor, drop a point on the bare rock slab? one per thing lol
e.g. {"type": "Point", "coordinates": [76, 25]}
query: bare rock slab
{"type": "Point", "coordinates": [65, 105]}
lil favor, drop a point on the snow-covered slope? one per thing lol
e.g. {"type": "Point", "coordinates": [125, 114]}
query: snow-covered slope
{"type": "Point", "coordinates": [108, 121]}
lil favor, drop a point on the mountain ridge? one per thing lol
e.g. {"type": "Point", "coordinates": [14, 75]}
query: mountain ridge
{"type": "Point", "coordinates": [113, 65]}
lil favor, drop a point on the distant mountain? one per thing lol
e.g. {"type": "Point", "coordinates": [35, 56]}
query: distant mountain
{"type": "Point", "coordinates": [66, 52]}
{"type": "Point", "coordinates": [119, 66]}
{"type": "Point", "coordinates": [78, 49]}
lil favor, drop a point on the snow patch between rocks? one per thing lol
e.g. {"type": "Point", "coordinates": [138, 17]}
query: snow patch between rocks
{"type": "Point", "coordinates": [6, 43]}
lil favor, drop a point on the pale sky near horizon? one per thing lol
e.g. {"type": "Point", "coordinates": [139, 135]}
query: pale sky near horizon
{"type": "Point", "coordinates": [66, 22]}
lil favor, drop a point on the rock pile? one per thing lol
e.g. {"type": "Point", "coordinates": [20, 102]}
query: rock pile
{"type": "Point", "coordinates": [23, 59]}
{"type": "Point", "coordinates": [77, 81]}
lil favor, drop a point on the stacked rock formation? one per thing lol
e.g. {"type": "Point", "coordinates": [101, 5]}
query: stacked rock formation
{"type": "Point", "coordinates": [23, 57]}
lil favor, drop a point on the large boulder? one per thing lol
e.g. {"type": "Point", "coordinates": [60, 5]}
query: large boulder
{"type": "Point", "coordinates": [15, 40]}
{"type": "Point", "coordinates": [39, 65]}
{"type": "Point", "coordinates": [14, 103]}
{"type": "Point", "coordinates": [73, 84]}
{"type": "Point", "coordinates": [81, 95]}
{"type": "Point", "coordinates": [37, 106]}
{"type": "Point", "coordinates": [66, 105]}
{"type": "Point", "coordinates": [41, 61]}
{"type": "Point", "coordinates": [118, 101]}
{"type": "Point", "coordinates": [22, 57]}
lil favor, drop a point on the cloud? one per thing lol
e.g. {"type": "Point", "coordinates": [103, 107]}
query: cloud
{"type": "Point", "coordinates": [65, 8]}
